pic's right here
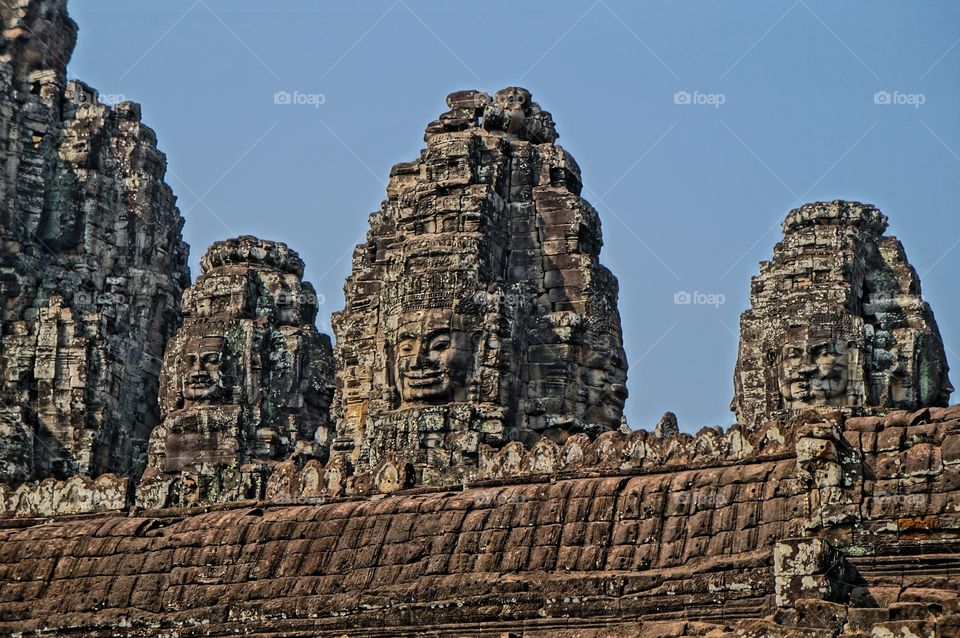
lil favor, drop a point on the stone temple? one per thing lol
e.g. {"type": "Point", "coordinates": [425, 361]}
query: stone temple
{"type": "Point", "coordinates": [837, 323]}
{"type": "Point", "coordinates": [478, 298]}
{"type": "Point", "coordinates": [92, 264]}
{"type": "Point", "coordinates": [247, 380]}
{"type": "Point", "coordinates": [198, 460]}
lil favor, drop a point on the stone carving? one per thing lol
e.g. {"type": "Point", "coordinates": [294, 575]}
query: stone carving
{"type": "Point", "coordinates": [92, 265]}
{"type": "Point", "coordinates": [478, 312]}
{"type": "Point", "coordinates": [513, 111]}
{"type": "Point", "coordinates": [201, 371]}
{"type": "Point", "coordinates": [76, 495]}
{"type": "Point", "coordinates": [247, 381]}
{"type": "Point", "coordinates": [431, 358]}
{"type": "Point", "coordinates": [635, 450]}
{"type": "Point", "coordinates": [811, 569]}
{"type": "Point", "coordinates": [667, 426]}
{"type": "Point", "coordinates": [837, 322]}
{"type": "Point", "coordinates": [480, 345]}
{"type": "Point", "coordinates": [815, 368]}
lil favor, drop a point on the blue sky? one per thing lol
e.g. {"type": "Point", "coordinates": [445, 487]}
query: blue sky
{"type": "Point", "coordinates": [789, 101]}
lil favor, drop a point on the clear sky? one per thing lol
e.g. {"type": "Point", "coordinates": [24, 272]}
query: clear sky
{"type": "Point", "coordinates": [789, 102]}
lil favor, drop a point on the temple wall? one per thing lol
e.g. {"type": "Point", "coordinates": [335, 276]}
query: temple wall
{"type": "Point", "coordinates": [692, 549]}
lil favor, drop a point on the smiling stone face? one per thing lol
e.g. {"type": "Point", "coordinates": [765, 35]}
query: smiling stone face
{"type": "Point", "coordinates": [202, 370]}
{"type": "Point", "coordinates": [836, 320]}
{"type": "Point", "coordinates": [477, 311]}
{"type": "Point", "coordinates": [814, 372]}
{"type": "Point", "coordinates": [246, 381]}
{"type": "Point", "coordinates": [431, 358]}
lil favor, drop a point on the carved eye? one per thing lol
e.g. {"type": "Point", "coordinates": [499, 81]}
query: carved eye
{"type": "Point", "coordinates": [406, 347]}
{"type": "Point", "coordinates": [793, 353]}
{"type": "Point", "coordinates": [211, 358]}
{"type": "Point", "coordinates": [440, 343]}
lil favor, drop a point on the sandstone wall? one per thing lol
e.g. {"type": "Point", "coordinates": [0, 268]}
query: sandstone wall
{"type": "Point", "coordinates": [670, 545]}
{"type": "Point", "coordinates": [675, 552]}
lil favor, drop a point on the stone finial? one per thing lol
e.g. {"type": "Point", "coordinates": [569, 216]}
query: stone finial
{"type": "Point", "coordinates": [246, 382]}
{"type": "Point", "coordinates": [478, 311]}
{"type": "Point", "coordinates": [837, 323]}
{"type": "Point", "coordinates": [836, 213]}
{"type": "Point", "coordinates": [667, 426]}
{"type": "Point", "coordinates": [511, 113]}
{"type": "Point", "coordinates": [251, 251]}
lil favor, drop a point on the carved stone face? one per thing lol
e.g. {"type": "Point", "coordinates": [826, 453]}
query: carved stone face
{"type": "Point", "coordinates": [288, 313]}
{"type": "Point", "coordinates": [432, 358]}
{"type": "Point", "coordinates": [605, 381]}
{"type": "Point", "coordinates": [814, 372]}
{"type": "Point", "coordinates": [202, 370]}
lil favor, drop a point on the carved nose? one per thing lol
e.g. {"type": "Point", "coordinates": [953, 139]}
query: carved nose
{"type": "Point", "coordinates": [423, 354]}
{"type": "Point", "coordinates": [808, 370]}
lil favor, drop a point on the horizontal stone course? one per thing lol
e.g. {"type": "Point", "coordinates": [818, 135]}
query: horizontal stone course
{"type": "Point", "coordinates": [600, 540]}
{"type": "Point", "coordinates": [642, 532]}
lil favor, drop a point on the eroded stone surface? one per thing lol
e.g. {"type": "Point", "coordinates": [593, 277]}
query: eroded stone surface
{"type": "Point", "coordinates": [247, 381]}
{"type": "Point", "coordinates": [837, 322]}
{"type": "Point", "coordinates": [477, 311]}
{"type": "Point", "coordinates": [92, 264]}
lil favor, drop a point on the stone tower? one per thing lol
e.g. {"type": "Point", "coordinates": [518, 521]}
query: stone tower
{"type": "Point", "coordinates": [92, 265]}
{"type": "Point", "coordinates": [247, 380]}
{"type": "Point", "coordinates": [837, 322]}
{"type": "Point", "coordinates": [478, 311]}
